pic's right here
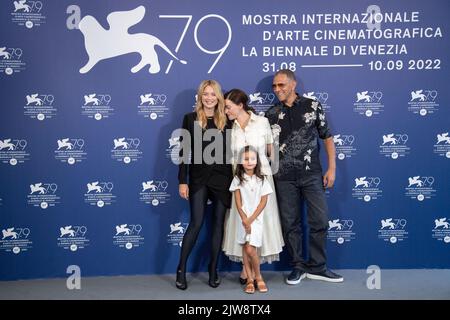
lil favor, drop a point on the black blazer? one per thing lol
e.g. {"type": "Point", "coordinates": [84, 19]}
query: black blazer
{"type": "Point", "coordinates": [216, 175]}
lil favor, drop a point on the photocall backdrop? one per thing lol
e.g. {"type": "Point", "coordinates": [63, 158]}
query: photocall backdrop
{"type": "Point", "coordinates": [92, 91]}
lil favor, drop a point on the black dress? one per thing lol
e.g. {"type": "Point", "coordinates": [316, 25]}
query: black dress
{"type": "Point", "coordinates": [217, 176]}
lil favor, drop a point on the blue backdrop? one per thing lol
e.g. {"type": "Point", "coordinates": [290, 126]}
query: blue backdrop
{"type": "Point", "coordinates": [85, 149]}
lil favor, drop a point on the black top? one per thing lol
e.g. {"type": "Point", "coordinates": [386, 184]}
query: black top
{"type": "Point", "coordinates": [299, 128]}
{"type": "Point", "coordinates": [216, 173]}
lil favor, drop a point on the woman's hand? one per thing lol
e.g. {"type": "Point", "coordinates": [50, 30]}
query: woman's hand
{"type": "Point", "coordinates": [183, 190]}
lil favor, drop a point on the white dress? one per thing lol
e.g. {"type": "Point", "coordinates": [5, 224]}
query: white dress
{"type": "Point", "coordinates": [252, 189]}
{"type": "Point", "coordinates": [258, 134]}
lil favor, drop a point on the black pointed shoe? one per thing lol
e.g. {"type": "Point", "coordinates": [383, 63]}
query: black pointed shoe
{"type": "Point", "coordinates": [214, 280]}
{"type": "Point", "coordinates": [181, 280]}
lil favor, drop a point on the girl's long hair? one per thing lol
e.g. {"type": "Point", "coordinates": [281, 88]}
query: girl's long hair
{"type": "Point", "coordinates": [240, 168]}
{"type": "Point", "coordinates": [220, 118]}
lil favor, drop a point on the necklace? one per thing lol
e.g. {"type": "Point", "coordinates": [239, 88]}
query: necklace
{"type": "Point", "coordinates": [245, 123]}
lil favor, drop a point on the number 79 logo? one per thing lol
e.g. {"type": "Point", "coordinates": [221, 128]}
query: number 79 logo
{"type": "Point", "coordinates": [219, 52]}
{"type": "Point", "coordinates": [101, 43]}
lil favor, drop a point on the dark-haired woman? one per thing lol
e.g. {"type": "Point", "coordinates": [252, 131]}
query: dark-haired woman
{"type": "Point", "coordinates": [250, 129]}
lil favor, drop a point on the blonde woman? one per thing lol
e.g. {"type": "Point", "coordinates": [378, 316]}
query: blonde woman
{"type": "Point", "coordinates": [200, 179]}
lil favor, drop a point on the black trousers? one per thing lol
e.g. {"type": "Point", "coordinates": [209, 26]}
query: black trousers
{"type": "Point", "coordinates": [289, 193]}
{"type": "Point", "coordinates": [197, 201]}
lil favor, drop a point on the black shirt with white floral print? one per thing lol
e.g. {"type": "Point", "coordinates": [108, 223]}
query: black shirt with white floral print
{"type": "Point", "coordinates": [298, 129]}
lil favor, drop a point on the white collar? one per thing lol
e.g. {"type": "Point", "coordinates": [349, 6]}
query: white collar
{"type": "Point", "coordinates": [252, 119]}
{"type": "Point", "coordinates": [252, 177]}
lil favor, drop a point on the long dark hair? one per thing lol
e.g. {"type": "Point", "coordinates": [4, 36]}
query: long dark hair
{"type": "Point", "coordinates": [238, 96]}
{"type": "Point", "coordinates": [240, 168]}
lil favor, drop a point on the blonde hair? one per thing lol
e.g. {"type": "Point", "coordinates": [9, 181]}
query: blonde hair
{"type": "Point", "coordinates": [220, 119]}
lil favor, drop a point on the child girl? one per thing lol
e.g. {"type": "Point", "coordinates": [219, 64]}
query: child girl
{"type": "Point", "coordinates": [251, 190]}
